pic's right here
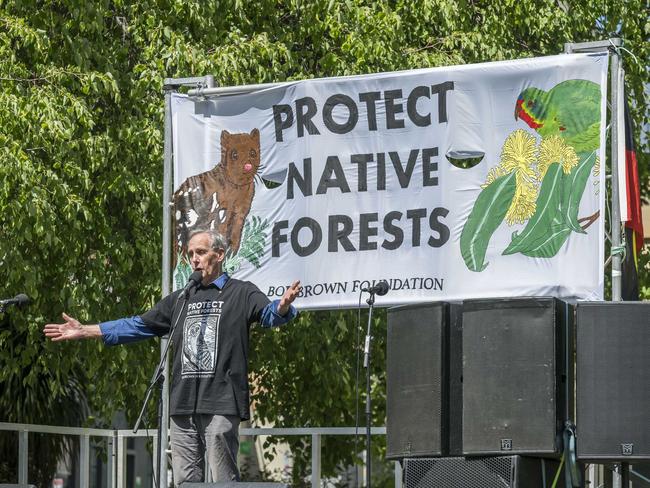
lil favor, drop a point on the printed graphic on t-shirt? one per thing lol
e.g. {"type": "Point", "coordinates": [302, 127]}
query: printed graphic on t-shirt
{"type": "Point", "coordinates": [201, 339]}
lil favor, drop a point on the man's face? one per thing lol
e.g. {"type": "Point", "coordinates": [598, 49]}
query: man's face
{"type": "Point", "coordinates": [204, 258]}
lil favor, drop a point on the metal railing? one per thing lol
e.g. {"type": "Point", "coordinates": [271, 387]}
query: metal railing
{"type": "Point", "coordinates": [116, 439]}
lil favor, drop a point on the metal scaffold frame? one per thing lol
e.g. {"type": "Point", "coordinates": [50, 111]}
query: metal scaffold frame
{"type": "Point", "coordinates": [621, 475]}
{"type": "Point", "coordinates": [205, 87]}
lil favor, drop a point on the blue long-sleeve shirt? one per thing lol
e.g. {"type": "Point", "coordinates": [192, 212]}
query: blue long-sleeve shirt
{"type": "Point", "coordinates": [132, 329]}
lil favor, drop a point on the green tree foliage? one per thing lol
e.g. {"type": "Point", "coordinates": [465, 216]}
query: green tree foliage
{"type": "Point", "coordinates": [81, 119]}
{"type": "Point", "coordinates": [309, 368]}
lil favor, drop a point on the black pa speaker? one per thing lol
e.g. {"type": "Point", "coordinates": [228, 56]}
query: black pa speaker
{"type": "Point", "coordinates": [481, 472]}
{"type": "Point", "coordinates": [513, 380]}
{"type": "Point", "coordinates": [417, 386]}
{"type": "Point", "coordinates": [612, 385]}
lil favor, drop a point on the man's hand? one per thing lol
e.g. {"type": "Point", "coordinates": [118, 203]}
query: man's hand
{"type": "Point", "coordinates": [71, 329]}
{"type": "Point", "coordinates": [288, 297]}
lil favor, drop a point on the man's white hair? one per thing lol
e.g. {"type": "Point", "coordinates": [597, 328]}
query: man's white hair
{"type": "Point", "coordinates": [217, 241]}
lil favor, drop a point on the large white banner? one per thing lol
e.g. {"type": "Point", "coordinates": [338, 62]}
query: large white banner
{"type": "Point", "coordinates": [451, 183]}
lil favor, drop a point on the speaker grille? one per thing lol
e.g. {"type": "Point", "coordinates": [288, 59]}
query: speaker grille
{"type": "Point", "coordinates": [511, 349]}
{"type": "Point", "coordinates": [415, 388]}
{"type": "Point", "coordinates": [613, 390]}
{"type": "Point", "coordinates": [459, 472]}
{"type": "Point", "coordinates": [481, 472]}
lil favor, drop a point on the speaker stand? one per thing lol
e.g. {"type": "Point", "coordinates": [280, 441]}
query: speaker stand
{"type": "Point", "coordinates": [158, 379]}
{"type": "Point", "coordinates": [366, 364]}
{"type": "Point", "coordinates": [621, 475]}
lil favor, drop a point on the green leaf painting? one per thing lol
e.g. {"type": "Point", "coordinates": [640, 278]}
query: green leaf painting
{"type": "Point", "coordinates": [548, 176]}
{"type": "Point", "coordinates": [549, 243]}
{"type": "Point", "coordinates": [252, 245]}
{"type": "Point", "coordinates": [573, 188]}
{"type": "Point", "coordinates": [182, 271]}
{"type": "Point", "coordinates": [486, 216]}
{"type": "Point", "coordinates": [547, 206]}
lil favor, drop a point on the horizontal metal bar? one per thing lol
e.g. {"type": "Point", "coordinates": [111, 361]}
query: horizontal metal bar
{"type": "Point", "coordinates": [592, 46]}
{"type": "Point", "coordinates": [117, 444]}
{"type": "Point", "coordinates": [233, 90]}
{"type": "Point", "coordinates": [140, 433]}
{"type": "Point", "coordinates": [202, 89]}
{"type": "Point", "coordinates": [54, 429]}
{"type": "Point", "coordinates": [177, 82]}
{"type": "Point", "coordinates": [310, 431]}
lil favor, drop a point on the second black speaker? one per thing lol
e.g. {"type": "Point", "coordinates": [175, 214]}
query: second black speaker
{"type": "Point", "coordinates": [513, 377]}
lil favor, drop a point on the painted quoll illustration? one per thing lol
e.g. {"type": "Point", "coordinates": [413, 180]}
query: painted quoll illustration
{"type": "Point", "coordinates": [539, 184]}
{"type": "Point", "coordinates": [220, 198]}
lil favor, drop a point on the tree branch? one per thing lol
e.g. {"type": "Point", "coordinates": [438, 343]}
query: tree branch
{"type": "Point", "coordinates": [590, 220]}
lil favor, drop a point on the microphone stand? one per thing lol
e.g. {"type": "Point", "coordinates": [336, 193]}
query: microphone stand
{"type": "Point", "coordinates": [366, 364]}
{"type": "Point", "coordinates": [158, 379]}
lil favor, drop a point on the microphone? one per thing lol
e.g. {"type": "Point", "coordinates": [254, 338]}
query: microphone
{"type": "Point", "coordinates": [381, 288]}
{"type": "Point", "coordinates": [19, 300]}
{"type": "Point", "coordinates": [192, 282]}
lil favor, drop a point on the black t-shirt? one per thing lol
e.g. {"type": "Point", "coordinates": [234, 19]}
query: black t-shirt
{"type": "Point", "coordinates": [210, 365]}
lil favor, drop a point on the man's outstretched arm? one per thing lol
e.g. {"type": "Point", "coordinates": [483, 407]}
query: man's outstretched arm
{"type": "Point", "coordinates": [71, 330]}
{"type": "Point", "coordinates": [121, 331]}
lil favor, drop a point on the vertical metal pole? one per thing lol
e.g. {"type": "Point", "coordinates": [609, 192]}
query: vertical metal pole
{"type": "Point", "coordinates": [166, 284]}
{"type": "Point", "coordinates": [167, 197]}
{"type": "Point", "coordinates": [622, 472]}
{"type": "Point", "coordinates": [23, 455]}
{"type": "Point", "coordinates": [209, 83]}
{"type": "Point", "coordinates": [616, 210]}
{"type": "Point", "coordinates": [84, 460]}
{"type": "Point", "coordinates": [121, 462]}
{"type": "Point", "coordinates": [398, 474]}
{"type": "Point", "coordinates": [315, 460]}
{"type": "Point", "coordinates": [154, 443]}
{"type": "Point", "coordinates": [597, 475]}
{"type": "Point", "coordinates": [167, 275]}
{"type": "Point", "coordinates": [366, 364]}
{"type": "Point", "coordinates": [616, 476]}
{"type": "Point", "coordinates": [625, 475]}
{"type": "Point", "coordinates": [111, 445]}
{"type": "Point", "coordinates": [592, 475]}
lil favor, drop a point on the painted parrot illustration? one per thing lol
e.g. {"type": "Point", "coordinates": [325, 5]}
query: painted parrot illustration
{"type": "Point", "coordinates": [539, 182]}
{"type": "Point", "coordinates": [570, 110]}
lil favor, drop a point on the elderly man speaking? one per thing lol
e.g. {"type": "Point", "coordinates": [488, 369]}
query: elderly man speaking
{"type": "Point", "coordinates": [209, 388]}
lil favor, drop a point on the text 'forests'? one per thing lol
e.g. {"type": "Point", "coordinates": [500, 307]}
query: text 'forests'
{"type": "Point", "coordinates": [366, 232]}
